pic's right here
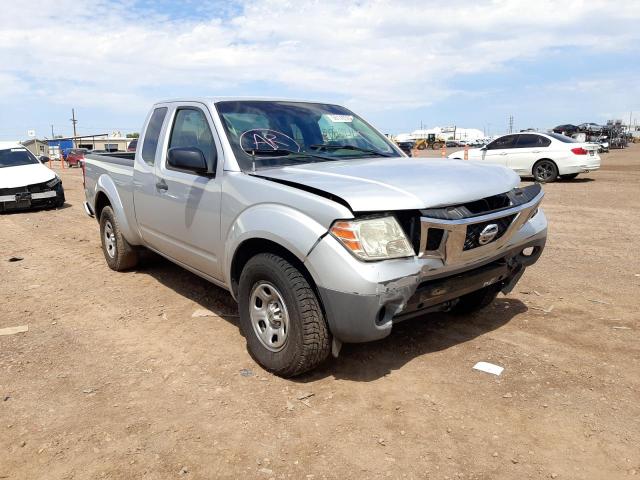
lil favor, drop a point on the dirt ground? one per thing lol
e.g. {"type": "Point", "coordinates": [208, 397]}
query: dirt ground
{"type": "Point", "coordinates": [117, 379]}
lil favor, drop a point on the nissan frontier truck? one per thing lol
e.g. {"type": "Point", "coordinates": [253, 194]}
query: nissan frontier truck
{"type": "Point", "coordinates": [320, 228]}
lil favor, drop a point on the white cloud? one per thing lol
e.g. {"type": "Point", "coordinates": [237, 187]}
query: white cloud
{"type": "Point", "coordinates": [394, 54]}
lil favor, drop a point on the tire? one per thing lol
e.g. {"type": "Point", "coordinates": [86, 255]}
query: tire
{"type": "Point", "coordinates": [118, 253]}
{"type": "Point", "coordinates": [421, 146]}
{"type": "Point", "coordinates": [290, 314]}
{"type": "Point", "coordinates": [474, 301]}
{"type": "Point", "coordinates": [569, 176]}
{"type": "Point", "coordinates": [545, 171]}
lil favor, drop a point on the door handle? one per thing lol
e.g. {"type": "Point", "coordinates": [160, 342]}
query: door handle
{"type": "Point", "coordinates": [503, 153]}
{"type": "Point", "coordinates": [162, 185]}
{"type": "Point", "coordinates": [536, 151]}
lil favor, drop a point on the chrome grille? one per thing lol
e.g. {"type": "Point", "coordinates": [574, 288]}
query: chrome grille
{"type": "Point", "coordinates": [473, 231]}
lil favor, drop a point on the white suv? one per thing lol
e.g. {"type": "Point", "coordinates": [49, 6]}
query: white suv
{"type": "Point", "coordinates": [545, 156]}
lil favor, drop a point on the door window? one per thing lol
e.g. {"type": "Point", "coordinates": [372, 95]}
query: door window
{"type": "Point", "coordinates": [191, 130]}
{"type": "Point", "coordinates": [508, 141]}
{"type": "Point", "coordinates": [529, 140]}
{"type": "Point", "coordinates": [152, 134]}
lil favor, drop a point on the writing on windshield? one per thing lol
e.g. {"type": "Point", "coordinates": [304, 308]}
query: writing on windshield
{"type": "Point", "coordinates": [260, 139]}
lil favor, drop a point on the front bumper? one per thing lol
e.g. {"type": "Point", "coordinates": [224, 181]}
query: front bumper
{"type": "Point", "coordinates": [362, 300]}
{"type": "Point", "coordinates": [27, 198]}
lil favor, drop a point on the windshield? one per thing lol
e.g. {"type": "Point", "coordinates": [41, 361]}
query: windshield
{"type": "Point", "coordinates": [562, 138]}
{"type": "Point", "coordinates": [16, 157]}
{"type": "Point", "coordinates": [281, 133]}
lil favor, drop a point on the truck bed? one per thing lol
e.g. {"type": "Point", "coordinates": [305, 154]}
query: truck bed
{"type": "Point", "coordinates": [119, 158]}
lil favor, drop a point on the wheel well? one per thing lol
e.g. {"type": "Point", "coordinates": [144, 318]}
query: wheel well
{"type": "Point", "coordinates": [252, 247]}
{"type": "Point", "coordinates": [101, 201]}
{"type": "Point", "coordinates": [540, 160]}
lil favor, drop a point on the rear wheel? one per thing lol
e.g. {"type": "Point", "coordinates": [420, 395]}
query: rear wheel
{"type": "Point", "coordinates": [118, 253]}
{"type": "Point", "coordinates": [545, 171]}
{"type": "Point", "coordinates": [280, 317]}
{"type": "Point", "coordinates": [569, 176]}
{"type": "Point", "coordinates": [474, 301]}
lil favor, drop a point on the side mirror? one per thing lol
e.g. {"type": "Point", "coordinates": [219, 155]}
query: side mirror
{"type": "Point", "coordinates": [43, 159]}
{"type": "Point", "coordinates": [187, 158]}
{"type": "Point", "coordinates": [483, 148]}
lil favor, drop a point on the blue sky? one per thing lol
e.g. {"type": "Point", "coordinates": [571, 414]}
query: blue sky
{"type": "Point", "coordinates": [398, 63]}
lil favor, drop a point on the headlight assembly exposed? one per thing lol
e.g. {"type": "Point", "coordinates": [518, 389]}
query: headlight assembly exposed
{"type": "Point", "coordinates": [373, 238]}
{"type": "Point", "coordinates": [52, 183]}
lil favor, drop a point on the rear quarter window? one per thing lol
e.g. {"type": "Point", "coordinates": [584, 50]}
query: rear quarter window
{"type": "Point", "coordinates": [152, 135]}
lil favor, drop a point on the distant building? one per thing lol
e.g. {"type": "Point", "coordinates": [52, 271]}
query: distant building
{"type": "Point", "coordinates": [111, 144]}
{"type": "Point", "coordinates": [444, 133]}
{"type": "Point", "coordinates": [37, 147]}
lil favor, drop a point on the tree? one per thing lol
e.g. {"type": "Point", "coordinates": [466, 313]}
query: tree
{"type": "Point", "coordinates": [133, 135]}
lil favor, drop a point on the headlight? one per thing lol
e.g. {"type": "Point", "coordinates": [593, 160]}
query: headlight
{"type": "Point", "coordinates": [54, 182]}
{"type": "Point", "coordinates": [373, 238]}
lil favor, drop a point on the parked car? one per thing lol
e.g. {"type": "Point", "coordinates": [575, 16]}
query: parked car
{"type": "Point", "coordinates": [545, 156]}
{"type": "Point", "coordinates": [132, 145]}
{"type": "Point", "coordinates": [590, 127]}
{"type": "Point", "coordinates": [25, 182]}
{"type": "Point", "coordinates": [566, 129]}
{"type": "Point", "coordinates": [75, 156]}
{"type": "Point", "coordinates": [321, 241]}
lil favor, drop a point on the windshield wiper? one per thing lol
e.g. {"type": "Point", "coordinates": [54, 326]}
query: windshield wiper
{"type": "Point", "coordinates": [325, 146]}
{"type": "Point", "coordinates": [269, 154]}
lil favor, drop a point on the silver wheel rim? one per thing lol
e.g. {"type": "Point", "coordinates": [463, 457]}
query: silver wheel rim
{"type": "Point", "coordinates": [544, 171]}
{"type": "Point", "coordinates": [109, 239]}
{"type": "Point", "coordinates": [269, 316]}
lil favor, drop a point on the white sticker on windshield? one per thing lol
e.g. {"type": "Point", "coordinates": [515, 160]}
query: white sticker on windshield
{"type": "Point", "coordinates": [340, 118]}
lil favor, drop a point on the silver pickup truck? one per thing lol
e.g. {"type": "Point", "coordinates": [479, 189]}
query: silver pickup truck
{"type": "Point", "coordinates": [320, 227]}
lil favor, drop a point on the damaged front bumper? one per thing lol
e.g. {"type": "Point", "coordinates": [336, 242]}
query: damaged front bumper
{"type": "Point", "coordinates": [362, 300]}
{"type": "Point", "coordinates": [31, 196]}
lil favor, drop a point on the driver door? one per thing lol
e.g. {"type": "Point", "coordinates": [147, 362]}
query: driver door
{"type": "Point", "coordinates": [188, 203]}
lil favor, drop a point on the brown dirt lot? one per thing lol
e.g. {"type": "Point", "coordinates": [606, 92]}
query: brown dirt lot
{"type": "Point", "coordinates": [115, 379]}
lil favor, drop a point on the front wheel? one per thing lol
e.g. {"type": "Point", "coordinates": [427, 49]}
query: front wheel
{"type": "Point", "coordinates": [280, 317]}
{"type": "Point", "coordinates": [545, 171]}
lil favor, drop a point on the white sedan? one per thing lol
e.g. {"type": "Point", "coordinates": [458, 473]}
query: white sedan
{"type": "Point", "coordinates": [25, 182]}
{"type": "Point", "coordinates": [545, 156]}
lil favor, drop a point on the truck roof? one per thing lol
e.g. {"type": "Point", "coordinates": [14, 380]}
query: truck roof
{"type": "Point", "coordinates": [237, 99]}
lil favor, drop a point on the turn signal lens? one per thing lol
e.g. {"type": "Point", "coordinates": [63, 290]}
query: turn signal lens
{"type": "Point", "coordinates": [373, 238]}
{"type": "Point", "coordinates": [579, 151]}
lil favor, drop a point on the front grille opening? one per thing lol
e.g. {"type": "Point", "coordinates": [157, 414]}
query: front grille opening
{"type": "Point", "coordinates": [488, 204]}
{"type": "Point", "coordinates": [434, 238]}
{"type": "Point", "coordinates": [474, 231]}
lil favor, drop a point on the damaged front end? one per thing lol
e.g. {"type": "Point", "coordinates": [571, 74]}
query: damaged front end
{"type": "Point", "coordinates": [459, 249]}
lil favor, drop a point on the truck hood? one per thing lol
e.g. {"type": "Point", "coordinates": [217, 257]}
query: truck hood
{"type": "Point", "coordinates": [13, 177]}
{"type": "Point", "coordinates": [378, 184]}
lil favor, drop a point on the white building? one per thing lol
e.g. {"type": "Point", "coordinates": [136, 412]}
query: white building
{"type": "Point", "coordinates": [443, 133]}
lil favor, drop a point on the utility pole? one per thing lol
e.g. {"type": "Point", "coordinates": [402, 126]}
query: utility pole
{"type": "Point", "coordinates": [510, 123]}
{"type": "Point", "coordinates": [52, 135]}
{"type": "Point", "coordinates": [74, 121]}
